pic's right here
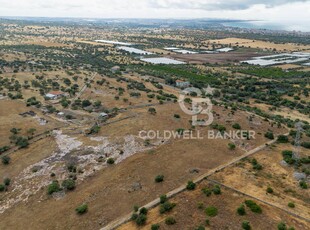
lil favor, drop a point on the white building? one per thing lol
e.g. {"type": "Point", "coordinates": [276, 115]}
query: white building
{"type": "Point", "coordinates": [182, 84]}
{"type": "Point", "coordinates": [55, 95]}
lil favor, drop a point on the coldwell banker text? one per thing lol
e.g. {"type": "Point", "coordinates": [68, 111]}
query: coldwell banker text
{"type": "Point", "coordinates": [196, 134]}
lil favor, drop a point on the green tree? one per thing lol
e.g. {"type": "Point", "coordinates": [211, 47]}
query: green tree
{"type": "Point", "coordinates": [191, 185]}
{"type": "Point", "coordinates": [282, 139]}
{"type": "Point", "coordinates": [217, 190]}
{"type": "Point", "coordinates": [68, 184]}
{"type": "Point", "coordinates": [166, 207]}
{"type": "Point", "coordinates": [253, 206]}
{"type": "Point", "coordinates": [163, 199]}
{"type": "Point", "coordinates": [241, 210]}
{"type": "Point", "coordinates": [53, 187]}
{"type": "Point", "coordinates": [269, 135]}
{"type": "Point", "coordinates": [282, 226]}
{"type": "Point", "coordinates": [141, 219]}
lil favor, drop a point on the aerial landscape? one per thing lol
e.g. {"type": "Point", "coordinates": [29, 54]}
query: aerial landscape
{"type": "Point", "coordinates": [147, 115]}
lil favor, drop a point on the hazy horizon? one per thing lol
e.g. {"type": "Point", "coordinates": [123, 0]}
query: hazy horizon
{"type": "Point", "coordinates": [292, 15]}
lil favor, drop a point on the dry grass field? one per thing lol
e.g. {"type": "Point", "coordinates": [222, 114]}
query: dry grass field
{"type": "Point", "coordinates": [260, 44]}
{"type": "Point", "coordinates": [131, 181]}
{"type": "Point", "coordinates": [275, 174]}
{"type": "Point", "coordinates": [188, 215]}
{"type": "Point", "coordinates": [10, 118]}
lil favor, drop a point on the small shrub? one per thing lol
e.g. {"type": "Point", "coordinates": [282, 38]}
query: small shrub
{"type": "Point", "coordinates": [152, 111]}
{"type": "Point", "coordinates": [200, 205]}
{"type": "Point", "coordinates": [282, 226]}
{"type": "Point", "coordinates": [207, 191]}
{"type": "Point", "coordinates": [200, 228]}
{"type": "Point", "coordinates": [111, 161]}
{"type": "Point", "coordinates": [71, 168]}
{"type": "Point", "coordinates": [241, 210]}
{"type": "Point", "coordinates": [2, 187]}
{"type": "Point", "coordinates": [143, 211]}
{"type": "Point", "coordinates": [256, 165]}
{"type": "Point", "coordinates": [282, 139]}
{"type": "Point", "coordinates": [68, 184]}
{"type": "Point", "coordinates": [134, 216]}
{"type": "Point", "coordinates": [22, 142]}
{"type": "Point", "coordinates": [231, 146]}
{"type": "Point", "coordinates": [163, 199]}
{"type": "Point", "coordinates": [136, 208]}
{"type": "Point", "coordinates": [159, 178]}
{"type": "Point", "coordinates": [291, 205]}
{"type": "Point", "coordinates": [170, 221]}
{"type": "Point", "coordinates": [217, 190]}
{"type": "Point", "coordinates": [53, 187]}
{"type": "Point", "coordinates": [7, 181]}
{"type": "Point", "coordinates": [6, 160]}
{"type": "Point", "coordinates": [288, 157]}
{"type": "Point", "coordinates": [211, 211]}
{"type": "Point", "coordinates": [82, 209]}
{"type": "Point", "coordinates": [141, 219]}
{"type": "Point", "coordinates": [269, 190]}
{"type": "Point", "coordinates": [253, 206]}
{"type": "Point", "coordinates": [95, 129]}
{"type": "Point", "coordinates": [303, 184]}
{"type": "Point", "coordinates": [246, 225]}
{"type": "Point", "coordinates": [269, 135]}
{"type": "Point", "coordinates": [155, 227]}
{"type": "Point", "coordinates": [191, 185]}
{"type": "Point", "coordinates": [305, 145]}
{"type": "Point", "coordinates": [236, 126]}
{"type": "Point", "coordinates": [166, 207]}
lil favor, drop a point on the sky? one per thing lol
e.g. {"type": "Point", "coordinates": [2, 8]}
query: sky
{"type": "Point", "coordinates": [292, 13]}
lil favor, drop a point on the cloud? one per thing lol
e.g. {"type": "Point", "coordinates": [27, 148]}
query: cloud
{"type": "Point", "coordinates": [293, 13]}
{"type": "Point", "coordinates": [209, 5]}
{"type": "Point", "coordinates": [217, 4]}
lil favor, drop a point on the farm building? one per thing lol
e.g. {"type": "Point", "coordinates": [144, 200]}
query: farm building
{"type": "Point", "coordinates": [182, 84]}
{"type": "Point", "coordinates": [224, 50]}
{"type": "Point", "coordinates": [115, 69]}
{"type": "Point", "coordinates": [55, 95]}
{"type": "Point", "coordinates": [103, 114]}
